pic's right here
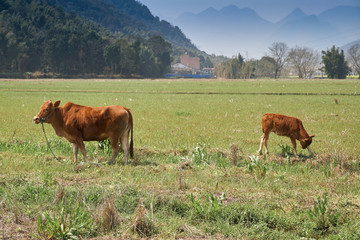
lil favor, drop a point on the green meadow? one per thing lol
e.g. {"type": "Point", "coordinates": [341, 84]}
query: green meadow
{"type": "Point", "coordinates": [196, 172]}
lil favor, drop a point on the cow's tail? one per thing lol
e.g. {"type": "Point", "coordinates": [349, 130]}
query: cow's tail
{"type": "Point", "coordinates": [131, 134]}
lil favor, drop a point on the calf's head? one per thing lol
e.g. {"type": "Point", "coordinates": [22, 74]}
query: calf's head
{"type": "Point", "coordinates": [46, 110]}
{"type": "Point", "coordinates": [306, 141]}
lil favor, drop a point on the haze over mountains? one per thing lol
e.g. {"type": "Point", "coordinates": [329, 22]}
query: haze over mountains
{"type": "Point", "coordinates": [232, 30]}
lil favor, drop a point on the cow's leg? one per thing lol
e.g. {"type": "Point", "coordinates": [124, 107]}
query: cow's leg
{"type": "Point", "coordinates": [80, 144]}
{"type": "Point", "coordinates": [75, 148]}
{"type": "Point", "coordinates": [125, 145]}
{"type": "Point", "coordinates": [310, 152]}
{"type": "Point", "coordinates": [115, 147]}
{"type": "Point", "coordinates": [293, 141]}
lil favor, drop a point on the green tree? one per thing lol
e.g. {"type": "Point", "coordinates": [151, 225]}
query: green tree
{"type": "Point", "coordinates": [148, 67]}
{"type": "Point", "coordinates": [249, 69]}
{"type": "Point", "coordinates": [232, 68]}
{"type": "Point", "coordinates": [334, 62]}
{"type": "Point", "coordinates": [205, 62]}
{"type": "Point", "coordinates": [265, 67]}
{"type": "Point", "coordinates": [161, 50]}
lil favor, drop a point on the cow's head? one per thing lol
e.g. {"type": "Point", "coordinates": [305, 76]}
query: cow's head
{"type": "Point", "coordinates": [46, 110]}
{"type": "Point", "coordinates": [306, 141]}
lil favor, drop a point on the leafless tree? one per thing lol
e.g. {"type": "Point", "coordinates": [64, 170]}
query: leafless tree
{"type": "Point", "coordinates": [304, 60]}
{"type": "Point", "coordinates": [354, 57]}
{"type": "Point", "coordinates": [279, 52]}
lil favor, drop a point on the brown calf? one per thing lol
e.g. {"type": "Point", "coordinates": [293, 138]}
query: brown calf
{"type": "Point", "coordinates": [79, 123]}
{"type": "Point", "coordinates": [284, 126]}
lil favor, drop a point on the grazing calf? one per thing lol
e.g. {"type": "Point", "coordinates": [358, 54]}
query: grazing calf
{"type": "Point", "coordinates": [284, 126]}
{"type": "Point", "coordinates": [79, 123]}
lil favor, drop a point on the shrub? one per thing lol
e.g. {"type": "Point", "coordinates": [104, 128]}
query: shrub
{"type": "Point", "coordinates": [322, 216]}
{"type": "Point", "coordinates": [200, 155]}
{"type": "Point", "coordinates": [66, 222]}
{"type": "Point", "coordinates": [286, 150]}
{"type": "Point", "coordinates": [211, 210]}
{"type": "Point", "coordinates": [255, 165]}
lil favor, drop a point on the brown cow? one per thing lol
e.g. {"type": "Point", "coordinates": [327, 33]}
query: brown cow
{"type": "Point", "coordinates": [284, 126]}
{"type": "Point", "coordinates": [79, 123]}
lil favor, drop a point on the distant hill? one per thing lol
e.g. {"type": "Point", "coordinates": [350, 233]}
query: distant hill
{"type": "Point", "coordinates": [63, 38]}
{"type": "Point", "coordinates": [349, 45]}
{"type": "Point", "coordinates": [126, 17]}
{"type": "Point", "coordinates": [42, 40]}
{"type": "Point", "coordinates": [235, 30]}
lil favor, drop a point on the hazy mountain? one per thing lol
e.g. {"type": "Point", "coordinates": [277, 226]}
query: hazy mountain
{"type": "Point", "coordinates": [231, 30]}
{"type": "Point", "coordinates": [305, 31]}
{"type": "Point", "coordinates": [227, 17]}
{"type": "Point", "coordinates": [211, 29]}
{"type": "Point", "coordinates": [342, 17]}
{"type": "Point", "coordinates": [293, 16]}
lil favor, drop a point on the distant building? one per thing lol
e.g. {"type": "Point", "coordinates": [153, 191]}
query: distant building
{"type": "Point", "coordinates": [181, 68]}
{"type": "Point", "coordinates": [188, 68]}
{"type": "Point", "coordinates": [192, 62]}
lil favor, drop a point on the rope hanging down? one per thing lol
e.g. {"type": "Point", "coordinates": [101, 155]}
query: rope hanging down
{"type": "Point", "coordinates": [48, 144]}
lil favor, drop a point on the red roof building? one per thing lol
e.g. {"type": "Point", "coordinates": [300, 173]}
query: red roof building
{"type": "Point", "coordinates": [192, 62]}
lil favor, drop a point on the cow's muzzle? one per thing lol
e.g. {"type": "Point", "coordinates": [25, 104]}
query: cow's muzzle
{"type": "Point", "coordinates": [36, 120]}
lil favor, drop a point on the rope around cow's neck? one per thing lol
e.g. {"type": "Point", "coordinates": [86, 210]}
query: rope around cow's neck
{"type": "Point", "coordinates": [48, 144]}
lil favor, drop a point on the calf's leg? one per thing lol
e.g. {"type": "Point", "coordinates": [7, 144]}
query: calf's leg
{"type": "Point", "coordinates": [261, 144]}
{"type": "Point", "coordinates": [293, 141]}
{"type": "Point", "coordinates": [265, 139]}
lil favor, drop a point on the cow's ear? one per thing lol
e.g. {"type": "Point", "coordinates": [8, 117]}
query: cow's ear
{"type": "Point", "coordinates": [57, 103]}
{"type": "Point", "coordinates": [312, 136]}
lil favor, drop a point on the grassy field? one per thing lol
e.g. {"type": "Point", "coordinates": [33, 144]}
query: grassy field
{"type": "Point", "coordinates": [195, 174]}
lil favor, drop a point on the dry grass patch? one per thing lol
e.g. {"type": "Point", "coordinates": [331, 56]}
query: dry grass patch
{"type": "Point", "coordinates": [106, 215]}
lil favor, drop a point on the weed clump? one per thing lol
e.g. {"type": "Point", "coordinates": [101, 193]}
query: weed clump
{"type": "Point", "coordinates": [200, 155]}
{"type": "Point", "coordinates": [142, 224]}
{"type": "Point", "coordinates": [322, 215]}
{"type": "Point", "coordinates": [234, 154]}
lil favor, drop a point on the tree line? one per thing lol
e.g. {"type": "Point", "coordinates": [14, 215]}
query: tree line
{"type": "Point", "coordinates": [301, 61]}
{"type": "Point", "coordinates": [41, 39]}
{"type": "Point", "coordinates": [37, 37]}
